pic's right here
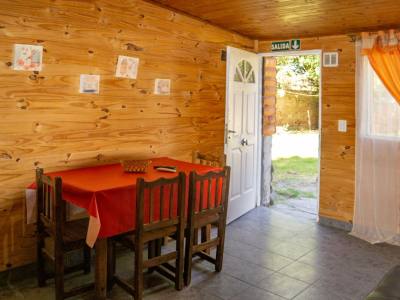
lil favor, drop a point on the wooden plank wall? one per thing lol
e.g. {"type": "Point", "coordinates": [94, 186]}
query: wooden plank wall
{"type": "Point", "coordinates": [45, 122]}
{"type": "Point", "coordinates": [337, 149]}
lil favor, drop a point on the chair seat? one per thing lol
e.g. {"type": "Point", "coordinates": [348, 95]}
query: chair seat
{"type": "Point", "coordinates": [76, 230]}
{"type": "Point", "coordinates": [74, 237]}
{"type": "Point", "coordinates": [389, 287]}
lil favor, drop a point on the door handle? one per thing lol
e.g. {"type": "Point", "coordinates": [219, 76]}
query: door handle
{"type": "Point", "coordinates": [244, 142]}
{"type": "Point", "coordinates": [231, 131]}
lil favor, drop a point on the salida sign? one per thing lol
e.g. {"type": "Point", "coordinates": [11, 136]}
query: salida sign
{"type": "Point", "coordinates": [286, 45]}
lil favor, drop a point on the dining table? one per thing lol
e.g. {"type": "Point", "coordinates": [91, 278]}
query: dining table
{"type": "Point", "coordinates": [108, 195]}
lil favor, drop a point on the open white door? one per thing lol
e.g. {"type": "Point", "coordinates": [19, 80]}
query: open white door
{"type": "Point", "coordinates": [242, 129]}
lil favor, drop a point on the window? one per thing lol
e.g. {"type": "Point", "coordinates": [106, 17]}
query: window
{"type": "Point", "coordinates": [383, 110]}
{"type": "Point", "coordinates": [244, 72]}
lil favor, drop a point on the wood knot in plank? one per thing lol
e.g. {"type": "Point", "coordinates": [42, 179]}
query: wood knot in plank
{"type": "Point", "coordinates": [133, 47]}
{"type": "Point", "coordinates": [22, 104]}
{"type": "Point", "coordinates": [172, 18]}
{"type": "Point", "coordinates": [107, 113]}
{"type": "Point", "coordinates": [35, 77]}
{"type": "Point", "coordinates": [67, 158]}
{"type": "Point", "coordinates": [37, 127]}
{"type": "Point", "coordinates": [5, 156]}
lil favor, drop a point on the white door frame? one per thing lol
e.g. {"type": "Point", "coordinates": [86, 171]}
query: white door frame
{"type": "Point", "coordinates": [307, 52]}
{"type": "Point", "coordinates": [258, 122]}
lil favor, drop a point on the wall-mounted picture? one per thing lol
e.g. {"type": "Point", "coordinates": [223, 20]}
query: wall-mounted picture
{"type": "Point", "coordinates": [28, 57]}
{"type": "Point", "coordinates": [89, 84]}
{"type": "Point", "coordinates": [127, 67]}
{"type": "Point", "coordinates": [162, 86]}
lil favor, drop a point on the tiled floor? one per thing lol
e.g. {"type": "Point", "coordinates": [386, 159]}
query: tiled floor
{"type": "Point", "coordinates": [273, 254]}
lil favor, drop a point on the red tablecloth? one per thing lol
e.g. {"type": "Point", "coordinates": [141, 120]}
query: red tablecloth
{"type": "Point", "coordinates": [109, 194]}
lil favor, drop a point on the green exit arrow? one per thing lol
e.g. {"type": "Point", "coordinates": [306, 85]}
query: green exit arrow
{"type": "Point", "coordinates": [295, 44]}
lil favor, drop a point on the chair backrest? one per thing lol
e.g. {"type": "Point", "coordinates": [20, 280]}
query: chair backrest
{"type": "Point", "coordinates": [208, 159]}
{"type": "Point", "coordinates": [160, 203]}
{"type": "Point", "coordinates": [51, 211]}
{"type": "Point", "coordinates": [208, 193]}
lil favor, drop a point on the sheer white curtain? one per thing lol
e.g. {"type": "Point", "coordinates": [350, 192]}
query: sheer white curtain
{"type": "Point", "coordinates": [377, 207]}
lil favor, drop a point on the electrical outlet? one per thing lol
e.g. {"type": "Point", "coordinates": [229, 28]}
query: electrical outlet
{"type": "Point", "coordinates": [342, 125]}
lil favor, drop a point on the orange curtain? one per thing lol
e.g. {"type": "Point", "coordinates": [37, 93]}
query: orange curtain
{"type": "Point", "coordinates": [384, 57]}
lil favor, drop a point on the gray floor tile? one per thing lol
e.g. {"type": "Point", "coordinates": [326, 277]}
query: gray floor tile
{"type": "Point", "coordinates": [289, 250]}
{"type": "Point", "coordinates": [222, 286]}
{"type": "Point", "coordinates": [186, 294]}
{"type": "Point", "coordinates": [254, 293]}
{"type": "Point", "coordinates": [243, 270]}
{"type": "Point", "coordinates": [317, 293]}
{"type": "Point", "coordinates": [303, 272]}
{"type": "Point", "coordinates": [283, 285]}
{"type": "Point", "coordinates": [257, 256]}
{"type": "Point", "coordinates": [345, 285]}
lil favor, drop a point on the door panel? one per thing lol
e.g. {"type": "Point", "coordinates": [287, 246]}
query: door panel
{"type": "Point", "coordinates": [242, 125]}
{"type": "Point", "coordinates": [249, 159]}
{"type": "Point", "coordinates": [236, 163]}
{"type": "Point", "coordinates": [237, 114]}
{"type": "Point", "coordinates": [251, 102]}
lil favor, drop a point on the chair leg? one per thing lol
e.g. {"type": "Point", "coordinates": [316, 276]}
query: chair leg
{"type": "Point", "coordinates": [41, 275]}
{"type": "Point", "coordinates": [206, 236]}
{"type": "Point", "coordinates": [86, 259]}
{"type": "Point", "coordinates": [59, 274]}
{"type": "Point", "coordinates": [138, 280]}
{"type": "Point", "coordinates": [179, 270]}
{"type": "Point", "coordinates": [151, 252]}
{"type": "Point", "coordinates": [111, 263]}
{"type": "Point", "coordinates": [158, 246]}
{"type": "Point", "coordinates": [188, 256]}
{"type": "Point", "coordinates": [220, 247]}
{"type": "Point", "coordinates": [196, 236]}
{"type": "Point", "coordinates": [165, 241]}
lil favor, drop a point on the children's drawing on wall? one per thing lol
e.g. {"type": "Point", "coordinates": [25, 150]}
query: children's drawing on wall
{"type": "Point", "coordinates": [89, 84]}
{"type": "Point", "coordinates": [162, 86]}
{"type": "Point", "coordinates": [127, 67]}
{"type": "Point", "coordinates": [28, 57]}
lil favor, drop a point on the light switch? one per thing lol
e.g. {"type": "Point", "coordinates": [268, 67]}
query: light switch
{"type": "Point", "coordinates": [342, 126]}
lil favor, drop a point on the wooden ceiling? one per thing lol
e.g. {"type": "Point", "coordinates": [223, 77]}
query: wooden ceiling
{"type": "Point", "coordinates": [277, 19]}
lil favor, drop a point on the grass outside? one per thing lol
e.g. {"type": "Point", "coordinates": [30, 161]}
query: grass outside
{"type": "Point", "coordinates": [294, 177]}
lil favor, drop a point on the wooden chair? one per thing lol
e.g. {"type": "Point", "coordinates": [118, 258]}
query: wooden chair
{"type": "Point", "coordinates": [157, 216]}
{"type": "Point", "coordinates": [208, 160]}
{"type": "Point", "coordinates": [56, 236]}
{"type": "Point", "coordinates": [208, 204]}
